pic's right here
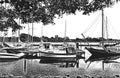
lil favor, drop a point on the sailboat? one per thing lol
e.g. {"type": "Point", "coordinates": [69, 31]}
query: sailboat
{"type": "Point", "coordinates": [9, 53]}
{"type": "Point", "coordinates": [104, 60]}
{"type": "Point", "coordinates": [69, 53]}
{"type": "Point", "coordinates": [6, 53]}
{"type": "Point", "coordinates": [103, 51]}
{"type": "Point", "coordinates": [18, 47]}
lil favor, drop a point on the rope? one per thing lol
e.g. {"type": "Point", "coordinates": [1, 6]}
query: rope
{"type": "Point", "coordinates": [94, 30]}
{"type": "Point", "coordinates": [113, 29]}
{"type": "Point", "coordinates": [92, 24]}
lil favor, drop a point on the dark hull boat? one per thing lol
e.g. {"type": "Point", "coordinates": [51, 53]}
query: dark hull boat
{"type": "Point", "coordinates": [102, 52]}
{"type": "Point", "coordinates": [52, 60]}
{"type": "Point", "coordinates": [103, 59]}
{"type": "Point", "coordinates": [93, 58]}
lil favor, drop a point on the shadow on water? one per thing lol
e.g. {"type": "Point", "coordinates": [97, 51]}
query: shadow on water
{"type": "Point", "coordinates": [61, 63]}
{"type": "Point", "coordinates": [4, 62]}
{"type": "Point", "coordinates": [104, 59]}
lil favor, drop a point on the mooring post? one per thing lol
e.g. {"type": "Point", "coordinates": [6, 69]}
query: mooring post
{"type": "Point", "coordinates": [77, 45]}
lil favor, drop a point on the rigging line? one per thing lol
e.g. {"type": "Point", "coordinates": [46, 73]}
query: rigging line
{"type": "Point", "coordinates": [96, 24]}
{"type": "Point", "coordinates": [92, 24]}
{"type": "Point", "coordinates": [93, 32]}
{"type": "Point", "coordinates": [113, 29]}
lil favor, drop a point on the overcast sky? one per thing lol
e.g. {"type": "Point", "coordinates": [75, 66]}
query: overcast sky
{"type": "Point", "coordinates": [77, 24]}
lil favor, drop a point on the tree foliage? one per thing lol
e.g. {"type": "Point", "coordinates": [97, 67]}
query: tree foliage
{"type": "Point", "coordinates": [30, 11]}
{"type": "Point", "coordinates": [95, 5]}
{"type": "Point", "coordinates": [7, 17]}
{"type": "Point", "coordinates": [46, 10]}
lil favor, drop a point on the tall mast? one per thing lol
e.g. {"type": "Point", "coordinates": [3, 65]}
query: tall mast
{"type": "Point", "coordinates": [103, 31]}
{"type": "Point", "coordinates": [28, 33]}
{"type": "Point", "coordinates": [5, 32]}
{"type": "Point", "coordinates": [19, 33]}
{"type": "Point", "coordinates": [32, 26]}
{"type": "Point", "coordinates": [102, 27]}
{"type": "Point", "coordinates": [65, 32]}
{"type": "Point", "coordinates": [106, 28]}
{"type": "Point", "coordinates": [32, 30]}
{"type": "Point", "coordinates": [41, 34]}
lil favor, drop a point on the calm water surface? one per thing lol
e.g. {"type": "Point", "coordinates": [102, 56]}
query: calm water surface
{"type": "Point", "coordinates": [33, 68]}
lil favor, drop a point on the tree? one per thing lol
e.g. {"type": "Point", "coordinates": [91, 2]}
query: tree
{"type": "Point", "coordinates": [7, 17]}
{"type": "Point", "coordinates": [30, 11]}
{"type": "Point", "coordinates": [95, 5]}
{"type": "Point", "coordinates": [46, 10]}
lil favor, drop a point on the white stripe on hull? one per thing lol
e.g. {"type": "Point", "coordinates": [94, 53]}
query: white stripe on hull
{"type": "Point", "coordinates": [9, 55]}
{"type": "Point", "coordinates": [55, 55]}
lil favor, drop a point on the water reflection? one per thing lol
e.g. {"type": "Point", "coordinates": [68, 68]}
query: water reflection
{"type": "Point", "coordinates": [6, 66]}
{"type": "Point", "coordinates": [61, 63]}
{"type": "Point", "coordinates": [25, 66]}
{"type": "Point", "coordinates": [103, 59]}
{"type": "Point", "coordinates": [42, 67]}
{"type": "Point", "coordinates": [4, 62]}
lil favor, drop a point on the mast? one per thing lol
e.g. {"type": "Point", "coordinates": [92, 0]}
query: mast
{"type": "Point", "coordinates": [19, 33]}
{"type": "Point", "coordinates": [32, 26]}
{"type": "Point", "coordinates": [103, 31]}
{"type": "Point", "coordinates": [106, 28]}
{"type": "Point", "coordinates": [5, 32]}
{"type": "Point", "coordinates": [65, 32]}
{"type": "Point", "coordinates": [41, 34]}
{"type": "Point", "coordinates": [102, 27]}
{"type": "Point", "coordinates": [32, 30]}
{"type": "Point", "coordinates": [28, 33]}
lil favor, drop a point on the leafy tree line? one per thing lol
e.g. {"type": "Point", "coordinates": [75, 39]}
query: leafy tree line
{"type": "Point", "coordinates": [28, 38]}
{"type": "Point", "coordinates": [44, 11]}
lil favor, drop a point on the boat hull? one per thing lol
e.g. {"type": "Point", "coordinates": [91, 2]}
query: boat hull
{"type": "Point", "coordinates": [57, 55]}
{"type": "Point", "coordinates": [59, 59]}
{"type": "Point", "coordinates": [5, 54]}
{"type": "Point", "coordinates": [101, 52]}
{"type": "Point", "coordinates": [45, 60]}
{"type": "Point", "coordinates": [11, 56]}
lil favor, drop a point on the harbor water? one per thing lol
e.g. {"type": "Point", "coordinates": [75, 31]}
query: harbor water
{"type": "Point", "coordinates": [34, 68]}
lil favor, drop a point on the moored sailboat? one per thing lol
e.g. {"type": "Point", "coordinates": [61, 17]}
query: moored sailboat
{"type": "Point", "coordinates": [4, 54]}
{"type": "Point", "coordinates": [66, 53]}
{"type": "Point", "coordinates": [103, 51]}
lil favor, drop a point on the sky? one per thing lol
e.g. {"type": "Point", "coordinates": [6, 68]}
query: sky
{"type": "Point", "coordinates": [89, 25]}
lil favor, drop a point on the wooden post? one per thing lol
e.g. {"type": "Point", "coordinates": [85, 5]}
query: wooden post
{"type": "Point", "coordinates": [25, 67]}
{"type": "Point", "coordinates": [77, 45]}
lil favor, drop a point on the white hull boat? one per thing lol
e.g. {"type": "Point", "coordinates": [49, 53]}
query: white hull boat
{"type": "Point", "coordinates": [5, 55]}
